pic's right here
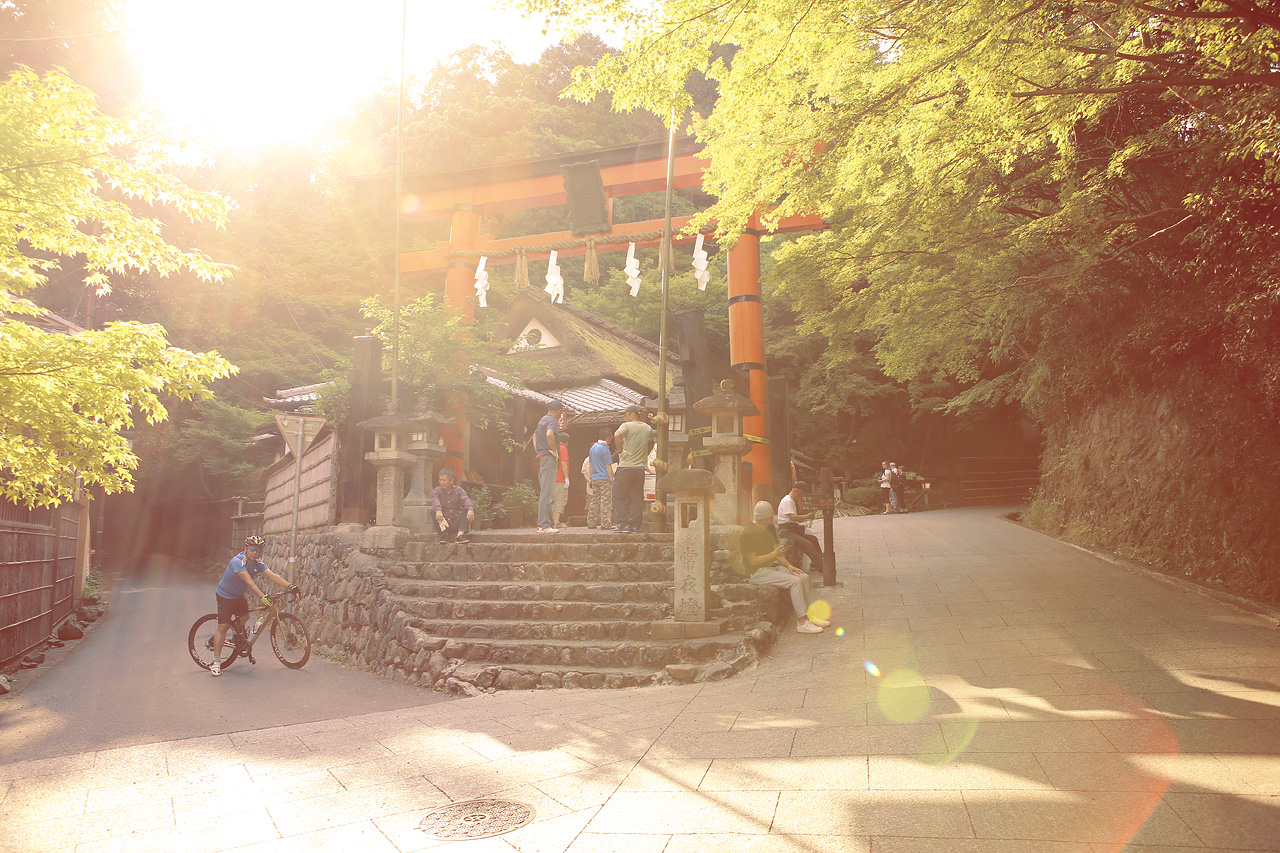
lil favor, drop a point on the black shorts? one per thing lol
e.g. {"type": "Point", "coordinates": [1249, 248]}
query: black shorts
{"type": "Point", "coordinates": [231, 607]}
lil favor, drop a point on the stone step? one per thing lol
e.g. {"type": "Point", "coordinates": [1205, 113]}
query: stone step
{"type": "Point", "coordinates": [586, 654]}
{"type": "Point", "coordinates": [482, 611]}
{"type": "Point", "coordinates": [535, 629]}
{"type": "Point", "coordinates": [530, 676]}
{"type": "Point", "coordinates": [573, 549]}
{"type": "Point", "coordinates": [467, 571]}
{"type": "Point", "coordinates": [604, 592]}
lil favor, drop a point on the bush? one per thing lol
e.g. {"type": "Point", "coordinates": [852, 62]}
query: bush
{"type": "Point", "coordinates": [482, 501]}
{"type": "Point", "coordinates": [521, 496]}
{"type": "Point", "coordinates": [868, 496]}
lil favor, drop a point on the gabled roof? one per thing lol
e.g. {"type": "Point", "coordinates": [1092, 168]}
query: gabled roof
{"type": "Point", "coordinates": [589, 349]}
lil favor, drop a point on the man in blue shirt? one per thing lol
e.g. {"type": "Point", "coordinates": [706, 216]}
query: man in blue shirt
{"type": "Point", "coordinates": [599, 482]}
{"type": "Point", "coordinates": [240, 577]}
{"type": "Point", "coordinates": [546, 441]}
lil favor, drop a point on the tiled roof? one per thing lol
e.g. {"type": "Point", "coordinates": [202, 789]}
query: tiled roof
{"type": "Point", "coordinates": [300, 399]}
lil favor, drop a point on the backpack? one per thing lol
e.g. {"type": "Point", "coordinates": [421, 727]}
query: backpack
{"type": "Point", "coordinates": [895, 478]}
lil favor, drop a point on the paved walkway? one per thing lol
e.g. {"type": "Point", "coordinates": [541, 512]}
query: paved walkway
{"type": "Point", "coordinates": [992, 691]}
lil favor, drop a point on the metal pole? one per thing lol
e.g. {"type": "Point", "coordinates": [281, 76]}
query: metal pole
{"type": "Point", "coordinates": [395, 316]}
{"type": "Point", "coordinates": [828, 543]}
{"type": "Point", "coordinates": [297, 494]}
{"type": "Point", "coordinates": [661, 496]}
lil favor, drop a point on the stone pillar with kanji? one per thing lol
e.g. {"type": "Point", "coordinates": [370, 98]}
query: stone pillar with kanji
{"type": "Point", "coordinates": [693, 489]}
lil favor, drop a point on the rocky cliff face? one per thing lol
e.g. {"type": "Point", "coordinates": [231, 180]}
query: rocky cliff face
{"type": "Point", "coordinates": [1185, 479]}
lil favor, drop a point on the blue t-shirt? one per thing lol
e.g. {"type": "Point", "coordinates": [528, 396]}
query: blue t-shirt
{"type": "Point", "coordinates": [232, 585]}
{"type": "Point", "coordinates": [548, 422]}
{"type": "Point", "coordinates": [601, 457]}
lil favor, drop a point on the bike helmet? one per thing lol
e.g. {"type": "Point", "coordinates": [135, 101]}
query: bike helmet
{"type": "Point", "coordinates": [255, 542]}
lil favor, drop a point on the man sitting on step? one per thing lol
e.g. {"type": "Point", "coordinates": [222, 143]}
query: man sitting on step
{"type": "Point", "coordinates": [451, 509]}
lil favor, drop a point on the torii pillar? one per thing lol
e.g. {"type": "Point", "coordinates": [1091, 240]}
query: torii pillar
{"type": "Point", "coordinates": [459, 286]}
{"type": "Point", "coordinates": [746, 352]}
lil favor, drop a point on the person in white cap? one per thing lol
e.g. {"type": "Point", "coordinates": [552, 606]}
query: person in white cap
{"type": "Point", "coordinates": [761, 557]}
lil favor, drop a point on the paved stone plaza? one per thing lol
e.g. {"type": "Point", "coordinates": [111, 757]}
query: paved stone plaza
{"type": "Point", "coordinates": [991, 691]}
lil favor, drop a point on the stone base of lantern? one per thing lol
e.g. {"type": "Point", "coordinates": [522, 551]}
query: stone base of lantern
{"type": "Point", "coordinates": [384, 538]}
{"type": "Point", "coordinates": [417, 517]}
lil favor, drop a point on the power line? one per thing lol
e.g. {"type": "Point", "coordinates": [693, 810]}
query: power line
{"type": "Point", "coordinates": [63, 38]}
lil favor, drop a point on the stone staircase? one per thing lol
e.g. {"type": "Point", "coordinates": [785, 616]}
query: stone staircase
{"type": "Point", "coordinates": [521, 610]}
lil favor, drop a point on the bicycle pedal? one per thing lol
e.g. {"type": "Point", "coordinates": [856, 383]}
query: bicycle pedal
{"type": "Point", "coordinates": [249, 655]}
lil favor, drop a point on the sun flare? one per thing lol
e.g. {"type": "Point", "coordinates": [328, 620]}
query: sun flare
{"type": "Point", "coordinates": [245, 74]}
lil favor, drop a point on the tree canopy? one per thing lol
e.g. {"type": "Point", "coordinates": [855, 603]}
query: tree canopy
{"type": "Point", "coordinates": [75, 183]}
{"type": "Point", "coordinates": [1004, 182]}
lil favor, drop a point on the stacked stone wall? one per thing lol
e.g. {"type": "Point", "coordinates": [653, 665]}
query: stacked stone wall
{"type": "Point", "coordinates": [354, 617]}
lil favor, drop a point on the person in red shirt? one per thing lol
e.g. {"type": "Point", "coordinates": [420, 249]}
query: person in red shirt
{"type": "Point", "coordinates": [560, 497]}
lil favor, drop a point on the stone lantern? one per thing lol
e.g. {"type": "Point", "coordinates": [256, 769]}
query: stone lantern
{"type": "Point", "coordinates": [728, 445]}
{"type": "Point", "coordinates": [390, 455]}
{"type": "Point", "coordinates": [694, 489]}
{"type": "Point", "coordinates": [426, 446]}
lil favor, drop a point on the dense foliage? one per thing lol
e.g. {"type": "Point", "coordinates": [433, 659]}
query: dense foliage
{"type": "Point", "coordinates": [73, 181]}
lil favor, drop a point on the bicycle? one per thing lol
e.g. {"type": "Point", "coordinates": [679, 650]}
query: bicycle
{"type": "Point", "coordinates": [289, 638]}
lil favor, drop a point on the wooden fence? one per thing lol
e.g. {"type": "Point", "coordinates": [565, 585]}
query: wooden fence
{"type": "Point", "coordinates": [998, 479]}
{"type": "Point", "coordinates": [318, 500]}
{"type": "Point", "coordinates": [39, 550]}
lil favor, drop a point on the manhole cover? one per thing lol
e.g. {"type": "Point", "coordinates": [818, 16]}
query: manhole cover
{"type": "Point", "coordinates": [476, 819]}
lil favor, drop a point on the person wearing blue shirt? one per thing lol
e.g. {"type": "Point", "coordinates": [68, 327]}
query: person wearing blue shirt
{"type": "Point", "coordinates": [599, 482]}
{"type": "Point", "coordinates": [239, 577]}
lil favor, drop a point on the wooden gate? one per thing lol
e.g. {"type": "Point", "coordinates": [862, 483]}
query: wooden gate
{"type": "Point", "coordinates": [38, 550]}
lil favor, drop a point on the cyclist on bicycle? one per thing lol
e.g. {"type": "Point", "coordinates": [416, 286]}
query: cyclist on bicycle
{"type": "Point", "coordinates": [236, 581]}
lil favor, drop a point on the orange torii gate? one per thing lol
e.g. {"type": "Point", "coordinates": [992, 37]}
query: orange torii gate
{"type": "Point", "coordinates": [464, 197]}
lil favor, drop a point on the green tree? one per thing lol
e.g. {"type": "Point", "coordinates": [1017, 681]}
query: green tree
{"type": "Point", "coordinates": [983, 166]}
{"type": "Point", "coordinates": [72, 181]}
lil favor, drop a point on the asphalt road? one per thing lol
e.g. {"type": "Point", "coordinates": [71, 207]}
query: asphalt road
{"type": "Point", "coordinates": [131, 681]}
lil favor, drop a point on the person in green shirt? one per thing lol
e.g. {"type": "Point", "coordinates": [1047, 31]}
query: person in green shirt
{"type": "Point", "coordinates": [761, 557]}
{"type": "Point", "coordinates": [633, 440]}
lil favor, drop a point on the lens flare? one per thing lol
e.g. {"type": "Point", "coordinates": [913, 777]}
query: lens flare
{"type": "Point", "coordinates": [840, 632]}
{"type": "Point", "coordinates": [903, 696]}
{"type": "Point", "coordinates": [819, 611]}
{"type": "Point", "coordinates": [410, 205]}
{"type": "Point", "coordinates": [871, 668]}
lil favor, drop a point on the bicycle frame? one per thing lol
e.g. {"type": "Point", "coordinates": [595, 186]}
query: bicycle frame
{"type": "Point", "coordinates": [271, 614]}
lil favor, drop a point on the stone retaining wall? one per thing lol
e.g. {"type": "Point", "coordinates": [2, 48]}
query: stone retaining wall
{"type": "Point", "coordinates": [1183, 480]}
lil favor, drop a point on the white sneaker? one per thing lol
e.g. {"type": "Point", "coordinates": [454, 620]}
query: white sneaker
{"type": "Point", "coordinates": [821, 623]}
{"type": "Point", "coordinates": [806, 627]}
{"type": "Point", "coordinates": [215, 668]}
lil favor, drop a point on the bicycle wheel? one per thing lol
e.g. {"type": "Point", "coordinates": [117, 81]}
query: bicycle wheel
{"type": "Point", "coordinates": [290, 642]}
{"type": "Point", "coordinates": [200, 642]}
